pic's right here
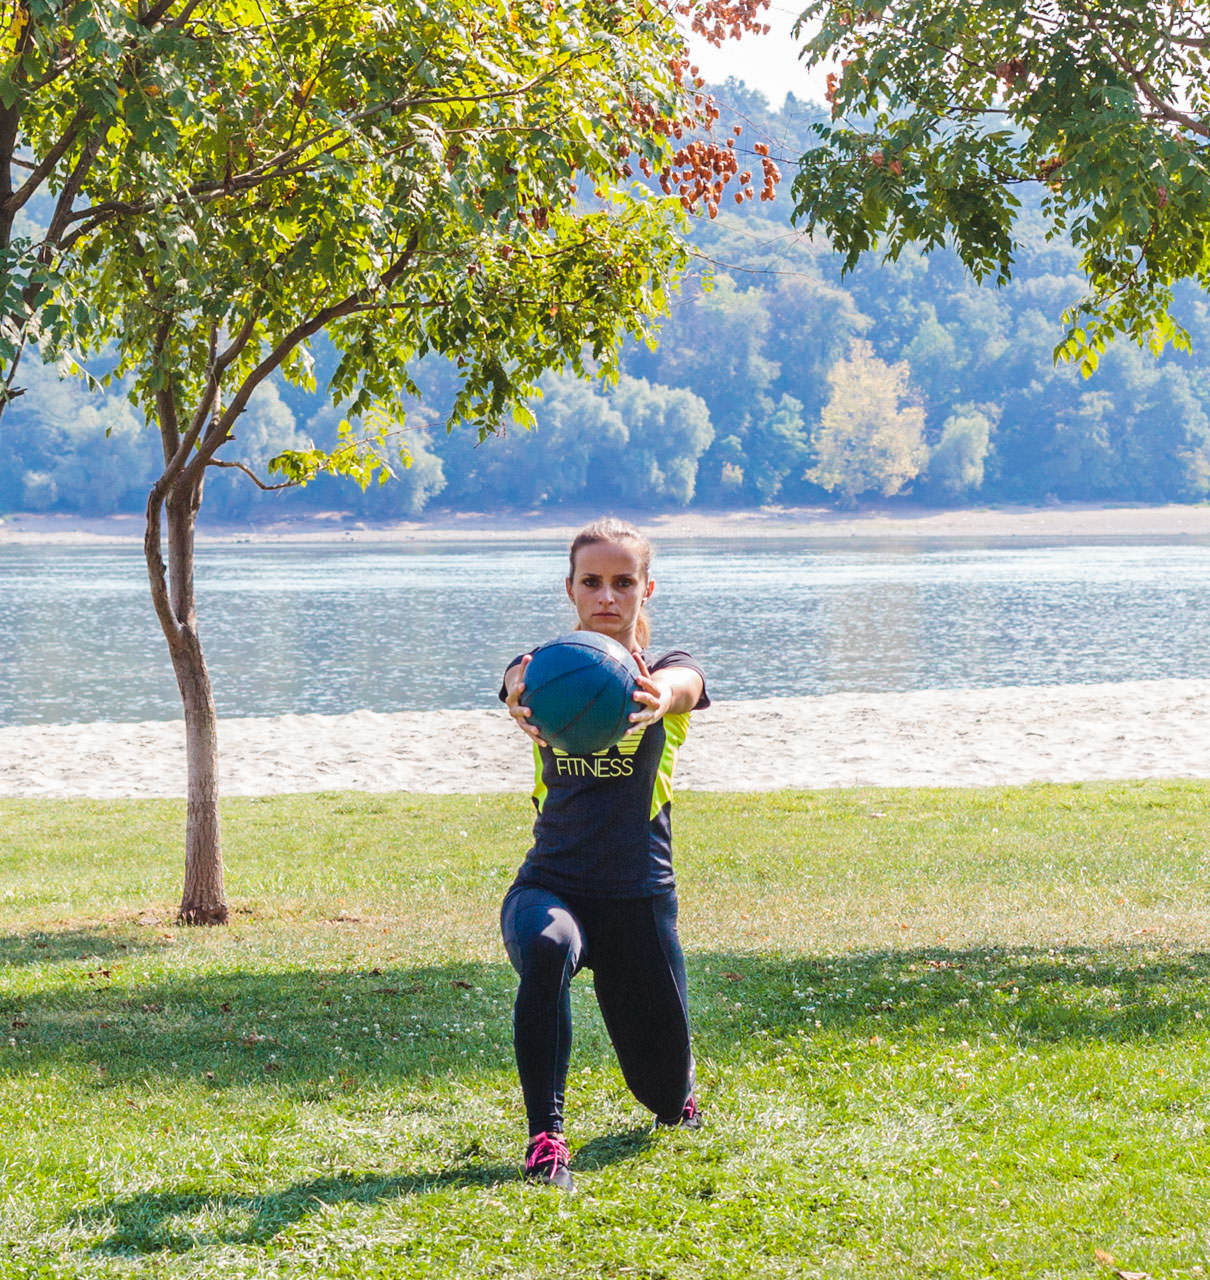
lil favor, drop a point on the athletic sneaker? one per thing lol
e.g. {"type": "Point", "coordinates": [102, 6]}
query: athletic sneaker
{"type": "Point", "coordinates": [690, 1117]}
{"type": "Point", "coordinates": [546, 1160]}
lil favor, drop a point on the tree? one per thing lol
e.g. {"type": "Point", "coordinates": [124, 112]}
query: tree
{"type": "Point", "coordinates": [715, 342]}
{"type": "Point", "coordinates": [943, 112]}
{"type": "Point", "coordinates": [227, 179]}
{"type": "Point", "coordinates": [775, 447]}
{"type": "Point", "coordinates": [870, 438]}
{"type": "Point", "coordinates": [668, 429]}
{"type": "Point", "coordinates": [632, 443]}
{"type": "Point", "coordinates": [577, 435]}
{"type": "Point", "coordinates": [955, 462]}
{"type": "Point", "coordinates": [92, 447]}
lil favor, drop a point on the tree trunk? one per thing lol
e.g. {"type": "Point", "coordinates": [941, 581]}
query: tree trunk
{"type": "Point", "coordinates": [203, 900]}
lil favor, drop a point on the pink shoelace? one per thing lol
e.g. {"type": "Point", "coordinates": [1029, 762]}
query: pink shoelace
{"type": "Point", "coordinates": [546, 1148]}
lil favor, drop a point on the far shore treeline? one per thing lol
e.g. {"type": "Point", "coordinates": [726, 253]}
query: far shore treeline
{"type": "Point", "coordinates": [785, 383]}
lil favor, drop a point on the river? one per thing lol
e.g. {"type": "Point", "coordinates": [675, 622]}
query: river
{"type": "Point", "coordinates": [328, 629]}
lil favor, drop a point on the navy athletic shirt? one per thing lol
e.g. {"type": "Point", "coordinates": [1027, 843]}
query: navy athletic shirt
{"type": "Point", "coordinates": [604, 822]}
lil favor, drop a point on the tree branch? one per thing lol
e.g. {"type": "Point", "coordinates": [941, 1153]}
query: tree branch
{"type": "Point", "coordinates": [1139, 78]}
{"type": "Point", "coordinates": [40, 172]}
{"type": "Point", "coordinates": [175, 449]}
{"type": "Point", "coordinates": [10, 125]}
{"type": "Point", "coordinates": [170, 620]}
{"type": "Point", "coordinates": [256, 480]}
{"type": "Point", "coordinates": [10, 128]}
{"type": "Point", "coordinates": [180, 19]}
{"type": "Point", "coordinates": [71, 189]}
{"type": "Point", "coordinates": [210, 392]}
{"type": "Point", "coordinates": [1183, 41]}
{"type": "Point", "coordinates": [157, 570]}
{"type": "Point", "coordinates": [238, 343]}
{"type": "Point", "coordinates": [158, 10]}
{"type": "Point", "coordinates": [220, 428]}
{"type": "Point", "coordinates": [9, 393]}
{"type": "Point", "coordinates": [1164, 109]}
{"type": "Point", "coordinates": [170, 433]}
{"type": "Point", "coordinates": [216, 366]}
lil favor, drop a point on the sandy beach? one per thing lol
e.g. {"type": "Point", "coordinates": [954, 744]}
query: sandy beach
{"type": "Point", "coordinates": [974, 738]}
{"type": "Point", "coordinates": [875, 521]}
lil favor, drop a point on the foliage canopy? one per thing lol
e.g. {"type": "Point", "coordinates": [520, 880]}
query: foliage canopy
{"type": "Point", "coordinates": [943, 112]}
{"type": "Point", "coordinates": [230, 178]}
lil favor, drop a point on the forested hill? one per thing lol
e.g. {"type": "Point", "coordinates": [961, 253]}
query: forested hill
{"type": "Point", "coordinates": [782, 383]}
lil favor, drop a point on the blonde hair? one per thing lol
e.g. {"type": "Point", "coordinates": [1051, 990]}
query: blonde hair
{"type": "Point", "coordinates": [610, 529]}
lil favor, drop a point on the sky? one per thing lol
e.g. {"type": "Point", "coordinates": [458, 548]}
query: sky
{"type": "Point", "coordinates": [768, 63]}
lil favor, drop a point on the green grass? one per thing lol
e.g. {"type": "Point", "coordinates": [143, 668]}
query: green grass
{"type": "Point", "coordinates": [940, 1033]}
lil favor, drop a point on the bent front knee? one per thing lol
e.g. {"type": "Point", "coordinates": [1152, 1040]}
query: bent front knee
{"type": "Point", "coordinates": [543, 958]}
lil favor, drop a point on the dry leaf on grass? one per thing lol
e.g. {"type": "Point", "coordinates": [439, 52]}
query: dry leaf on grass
{"type": "Point", "coordinates": [1108, 1260]}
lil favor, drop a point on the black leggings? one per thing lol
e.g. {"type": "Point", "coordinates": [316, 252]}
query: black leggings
{"type": "Point", "coordinates": [632, 948]}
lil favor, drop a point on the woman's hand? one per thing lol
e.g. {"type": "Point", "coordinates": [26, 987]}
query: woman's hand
{"type": "Point", "coordinates": [514, 682]}
{"type": "Point", "coordinates": [670, 691]}
{"type": "Point", "coordinates": [655, 695]}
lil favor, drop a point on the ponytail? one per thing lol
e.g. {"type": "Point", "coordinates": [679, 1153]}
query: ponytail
{"type": "Point", "coordinates": [642, 628]}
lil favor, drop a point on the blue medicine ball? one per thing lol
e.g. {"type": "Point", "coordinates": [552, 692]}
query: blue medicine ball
{"type": "Point", "coordinates": [580, 691]}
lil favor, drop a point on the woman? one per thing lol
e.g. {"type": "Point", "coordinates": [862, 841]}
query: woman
{"type": "Point", "coordinates": [597, 889]}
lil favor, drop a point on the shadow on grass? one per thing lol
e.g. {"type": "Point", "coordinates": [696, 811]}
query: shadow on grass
{"type": "Point", "coordinates": [1028, 994]}
{"type": "Point", "coordinates": [167, 1222]}
{"type": "Point", "coordinates": [60, 946]}
{"type": "Point", "coordinates": [612, 1147]}
{"type": "Point", "coordinates": [318, 1033]}
{"type": "Point", "coordinates": [307, 1029]}
{"type": "Point", "coordinates": [160, 1222]}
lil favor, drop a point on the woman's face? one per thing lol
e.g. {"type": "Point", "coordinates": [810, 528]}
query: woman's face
{"type": "Point", "coordinates": [608, 589]}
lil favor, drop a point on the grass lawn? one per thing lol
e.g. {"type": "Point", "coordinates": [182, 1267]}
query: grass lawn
{"type": "Point", "coordinates": [939, 1033]}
